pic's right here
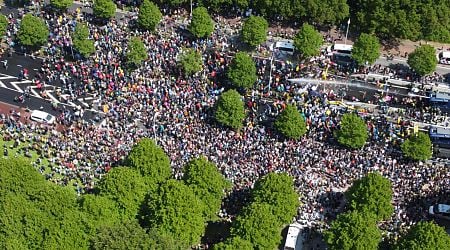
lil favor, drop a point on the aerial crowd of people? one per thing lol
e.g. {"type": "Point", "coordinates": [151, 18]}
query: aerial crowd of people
{"type": "Point", "coordinates": [158, 101]}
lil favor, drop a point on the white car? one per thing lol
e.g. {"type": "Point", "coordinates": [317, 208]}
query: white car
{"type": "Point", "coordinates": [42, 117]}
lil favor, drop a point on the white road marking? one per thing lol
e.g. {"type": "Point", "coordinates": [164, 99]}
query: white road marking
{"type": "Point", "coordinates": [17, 87]}
{"type": "Point", "coordinates": [49, 94]}
{"type": "Point", "coordinates": [35, 93]}
{"type": "Point", "coordinates": [6, 77]}
{"type": "Point", "coordinates": [3, 85]}
{"type": "Point", "coordinates": [22, 82]}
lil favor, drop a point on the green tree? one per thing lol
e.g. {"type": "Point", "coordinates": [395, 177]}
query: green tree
{"type": "Point", "coordinates": [3, 25]}
{"type": "Point", "coordinates": [120, 236]}
{"type": "Point", "coordinates": [234, 243]}
{"type": "Point", "coordinates": [99, 210]}
{"type": "Point", "coordinates": [353, 230]}
{"type": "Point", "coordinates": [191, 62]}
{"type": "Point", "coordinates": [287, 9]}
{"type": "Point", "coordinates": [81, 41]}
{"type": "Point", "coordinates": [126, 187]}
{"type": "Point", "coordinates": [136, 51]}
{"type": "Point", "coordinates": [423, 60]}
{"type": "Point", "coordinates": [290, 123]}
{"type": "Point", "coordinates": [424, 235]}
{"type": "Point", "coordinates": [208, 184]}
{"type": "Point", "coordinates": [150, 160]}
{"type": "Point", "coordinates": [417, 147]}
{"type": "Point", "coordinates": [372, 194]}
{"type": "Point", "coordinates": [242, 72]}
{"type": "Point", "coordinates": [366, 49]}
{"type": "Point", "coordinates": [201, 24]}
{"type": "Point", "coordinates": [33, 31]}
{"type": "Point", "coordinates": [258, 225]}
{"type": "Point", "coordinates": [230, 109]}
{"type": "Point", "coordinates": [254, 31]}
{"type": "Point", "coordinates": [308, 41]}
{"type": "Point", "coordinates": [173, 209]}
{"type": "Point", "coordinates": [352, 132]}
{"type": "Point", "coordinates": [149, 15]}
{"type": "Point", "coordinates": [172, 3]}
{"type": "Point", "coordinates": [61, 4]}
{"type": "Point", "coordinates": [277, 190]}
{"type": "Point", "coordinates": [326, 12]}
{"type": "Point", "coordinates": [105, 9]}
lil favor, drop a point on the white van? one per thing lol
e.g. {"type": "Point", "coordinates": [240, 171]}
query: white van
{"type": "Point", "coordinates": [340, 49]}
{"type": "Point", "coordinates": [444, 57]}
{"type": "Point", "coordinates": [285, 47]}
{"type": "Point", "coordinates": [41, 116]}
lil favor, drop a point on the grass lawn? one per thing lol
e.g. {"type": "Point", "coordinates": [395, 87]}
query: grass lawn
{"type": "Point", "coordinates": [14, 152]}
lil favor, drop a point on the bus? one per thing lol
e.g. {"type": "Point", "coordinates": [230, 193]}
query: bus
{"type": "Point", "coordinates": [440, 211]}
{"type": "Point", "coordinates": [440, 136]}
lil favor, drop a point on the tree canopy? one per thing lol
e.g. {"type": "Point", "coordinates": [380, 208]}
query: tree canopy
{"type": "Point", "coordinates": [366, 49]}
{"type": "Point", "coordinates": [149, 15]}
{"type": "Point", "coordinates": [173, 209]}
{"type": "Point", "coordinates": [423, 60]}
{"type": "Point", "coordinates": [33, 31]}
{"type": "Point", "coordinates": [208, 184]}
{"type": "Point", "coordinates": [36, 213]}
{"type": "Point", "coordinates": [421, 19]}
{"type": "Point", "coordinates": [3, 25]}
{"type": "Point", "coordinates": [81, 41]}
{"type": "Point", "coordinates": [233, 244]}
{"type": "Point", "coordinates": [126, 187]}
{"type": "Point", "coordinates": [254, 31]}
{"type": "Point", "coordinates": [191, 62]}
{"type": "Point", "coordinates": [417, 147]}
{"type": "Point", "coordinates": [125, 235]}
{"type": "Point", "coordinates": [61, 4]}
{"type": "Point", "coordinates": [277, 190]}
{"type": "Point", "coordinates": [308, 41]}
{"type": "Point", "coordinates": [242, 71]}
{"type": "Point", "coordinates": [258, 225]}
{"type": "Point", "coordinates": [100, 210]}
{"type": "Point", "coordinates": [372, 194]}
{"type": "Point", "coordinates": [424, 235]}
{"type": "Point", "coordinates": [230, 109]}
{"type": "Point", "coordinates": [105, 9]}
{"type": "Point", "coordinates": [352, 132]}
{"type": "Point", "coordinates": [201, 24]}
{"type": "Point", "coordinates": [136, 51]}
{"type": "Point", "coordinates": [290, 123]}
{"type": "Point", "coordinates": [150, 160]}
{"type": "Point", "coordinates": [353, 230]}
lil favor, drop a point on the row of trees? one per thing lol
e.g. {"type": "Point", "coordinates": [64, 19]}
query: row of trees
{"type": "Point", "coordinates": [352, 131]}
{"type": "Point", "coordinates": [273, 204]}
{"type": "Point", "coordinates": [369, 202]}
{"type": "Point", "coordinates": [138, 206]}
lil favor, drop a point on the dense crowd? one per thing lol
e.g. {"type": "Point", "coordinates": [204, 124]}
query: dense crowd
{"type": "Point", "coordinates": [158, 101]}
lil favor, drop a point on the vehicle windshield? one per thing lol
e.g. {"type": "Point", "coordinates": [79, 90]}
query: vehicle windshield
{"type": "Point", "coordinates": [48, 118]}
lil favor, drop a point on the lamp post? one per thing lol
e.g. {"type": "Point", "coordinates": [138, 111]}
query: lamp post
{"type": "Point", "coordinates": [191, 10]}
{"type": "Point", "coordinates": [346, 33]}
{"type": "Point", "coordinates": [154, 125]}
{"type": "Point", "coordinates": [270, 72]}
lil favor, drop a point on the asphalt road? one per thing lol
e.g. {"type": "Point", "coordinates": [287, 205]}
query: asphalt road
{"type": "Point", "coordinates": [440, 68]}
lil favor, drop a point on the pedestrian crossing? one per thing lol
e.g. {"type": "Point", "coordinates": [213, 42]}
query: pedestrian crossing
{"type": "Point", "coordinates": [47, 92]}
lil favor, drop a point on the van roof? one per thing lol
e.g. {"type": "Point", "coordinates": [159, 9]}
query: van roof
{"type": "Point", "coordinates": [284, 44]}
{"type": "Point", "coordinates": [445, 54]}
{"type": "Point", "coordinates": [338, 46]}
